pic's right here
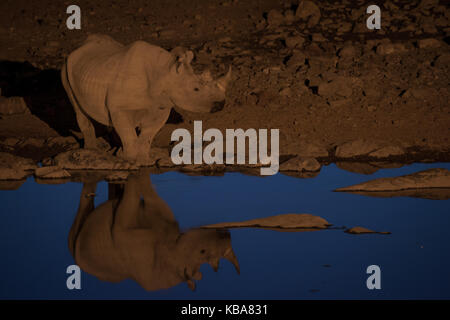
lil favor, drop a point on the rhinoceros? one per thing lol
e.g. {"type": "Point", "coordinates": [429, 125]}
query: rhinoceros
{"type": "Point", "coordinates": [135, 235]}
{"type": "Point", "coordinates": [133, 88]}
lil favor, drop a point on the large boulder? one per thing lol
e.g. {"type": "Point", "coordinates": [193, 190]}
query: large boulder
{"type": "Point", "coordinates": [281, 221]}
{"type": "Point", "coordinates": [431, 178]}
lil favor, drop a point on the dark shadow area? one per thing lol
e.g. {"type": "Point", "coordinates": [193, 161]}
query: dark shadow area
{"type": "Point", "coordinates": [43, 93]}
{"type": "Point", "coordinates": [46, 98]}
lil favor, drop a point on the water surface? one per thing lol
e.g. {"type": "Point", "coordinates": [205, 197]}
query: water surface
{"type": "Point", "coordinates": [414, 259]}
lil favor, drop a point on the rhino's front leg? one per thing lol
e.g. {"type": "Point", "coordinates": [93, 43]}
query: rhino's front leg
{"type": "Point", "coordinates": [152, 121]}
{"type": "Point", "coordinates": [123, 123]}
{"type": "Point", "coordinates": [85, 208]}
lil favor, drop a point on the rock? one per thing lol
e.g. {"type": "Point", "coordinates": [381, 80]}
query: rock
{"type": "Point", "coordinates": [311, 150]}
{"type": "Point", "coordinates": [274, 18]}
{"type": "Point", "coordinates": [13, 105]}
{"type": "Point", "coordinates": [294, 41]}
{"type": "Point", "coordinates": [318, 37]}
{"type": "Point", "coordinates": [362, 230]}
{"type": "Point", "coordinates": [63, 142]}
{"type": "Point", "coordinates": [432, 178]}
{"type": "Point", "coordinates": [289, 16]}
{"type": "Point", "coordinates": [341, 86]}
{"type": "Point", "coordinates": [387, 152]}
{"type": "Point", "coordinates": [429, 43]}
{"type": "Point", "coordinates": [51, 172]}
{"type": "Point", "coordinates": [285, 92]}
{"type": "Point", "coordinates": [347, 52]}
{"type": "Point", "coordinates": [33, 143]}
{"type": "Point", "coordinates": [390, 48]}
{"type": "Point", "coordinates": [117, 176]}
{"type": "Point", "coordinates": [341, 103]}
{"type": "Point", "coordinates": [88, 159]}
{"type": "Point", "coordinates": [282, 221]}
{"type": "Point", "coordinates": [14, 168]}
{"type": "Point", "coordinates": [357, 167]}
{"type": "Point", "coordinates": [344, 28]}
{"type": "Point", "coordinates": [300, 164]}
{"type": "Point", "coordinates": [356, 148]}
{"type": "Point", "coordinates": [297, 59]}
{"type": "Point", "coordinates": [430, 193]}
{"type": "Point", "coordinates": [10, 142]}
{"type": "Point", "coordinates": [443, 60]}
{"type": "Point", "coordinates": [11, 184]}
{"type": "Point", "coordinates": [157, 154]}
{"type": "Point", "coordinates": [308, 10]}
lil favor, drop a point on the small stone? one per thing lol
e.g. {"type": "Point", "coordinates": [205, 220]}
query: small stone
{"type": "Point", "coordinates": [347, 52]}
{"type": "Point", "coordinates": [300, 164]}
{"type": "Point", "coordinates": [308, 10]}
{"type": "Point", "coordinates": [294, 41]}
{"type": "Point", "coordinates": [318, 37]}
{"type": "Point", "coordinates": [386, 152]}
{"type": "Point", "coordinates": [390, 48]}
{"type": "Point", "coordinates": [88, 159]}
{"type": "Point", "coordinates": [274, 18]}
{"type": "Point", "coordinates": [341, 86]}
{"type": "Point", "coordinates": [356, 148]}
{"type": "Point", "coordinates": [362, 230]}
{"type": "Point", "coordinates": [429, 43]}
{"type": "Point", "coordinates": [285, 92]}
{"type": "Point", "coordinates": [52, 172]}
{"type": "Point", "coordinates": [117, 176]}
{"type": "Point", "coordinates": [289, 16]}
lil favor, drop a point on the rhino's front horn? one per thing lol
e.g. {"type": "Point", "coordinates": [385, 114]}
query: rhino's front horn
{"type": "Point", "coordinates": [191, 284]}
{"type": "Point", "coordinates": [215, 264]}
{"type": "Point", "coordinates": [223, 81]}
{"type": "Point", "coordinates": [230, 256]}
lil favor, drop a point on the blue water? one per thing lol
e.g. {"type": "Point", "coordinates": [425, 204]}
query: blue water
{"type": "Point", "coordinates": [414, 259]}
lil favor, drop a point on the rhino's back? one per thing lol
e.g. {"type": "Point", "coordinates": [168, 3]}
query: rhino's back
{"type": "Point", "coordinates": [103, 68]}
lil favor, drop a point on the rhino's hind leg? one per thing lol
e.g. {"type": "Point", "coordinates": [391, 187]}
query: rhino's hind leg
{"type": "Point", "coordinates": [86, 126]}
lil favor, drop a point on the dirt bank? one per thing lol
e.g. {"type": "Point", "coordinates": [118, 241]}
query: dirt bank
{"type": "Point", "coordinates": [314, 71]}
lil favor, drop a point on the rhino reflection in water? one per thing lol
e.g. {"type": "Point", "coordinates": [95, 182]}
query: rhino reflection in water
{"type": "Point", "coordinates": [135, 235]}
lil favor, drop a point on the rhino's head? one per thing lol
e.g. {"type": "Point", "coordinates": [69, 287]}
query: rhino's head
{"type": "Point", "coordinates": [192, 92]}
{"type": "Point", "coordinates": [199, 246]}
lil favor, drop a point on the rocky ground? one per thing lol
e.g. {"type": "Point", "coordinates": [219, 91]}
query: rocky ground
{"type": "Point", "coordinates": [337, 91]}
